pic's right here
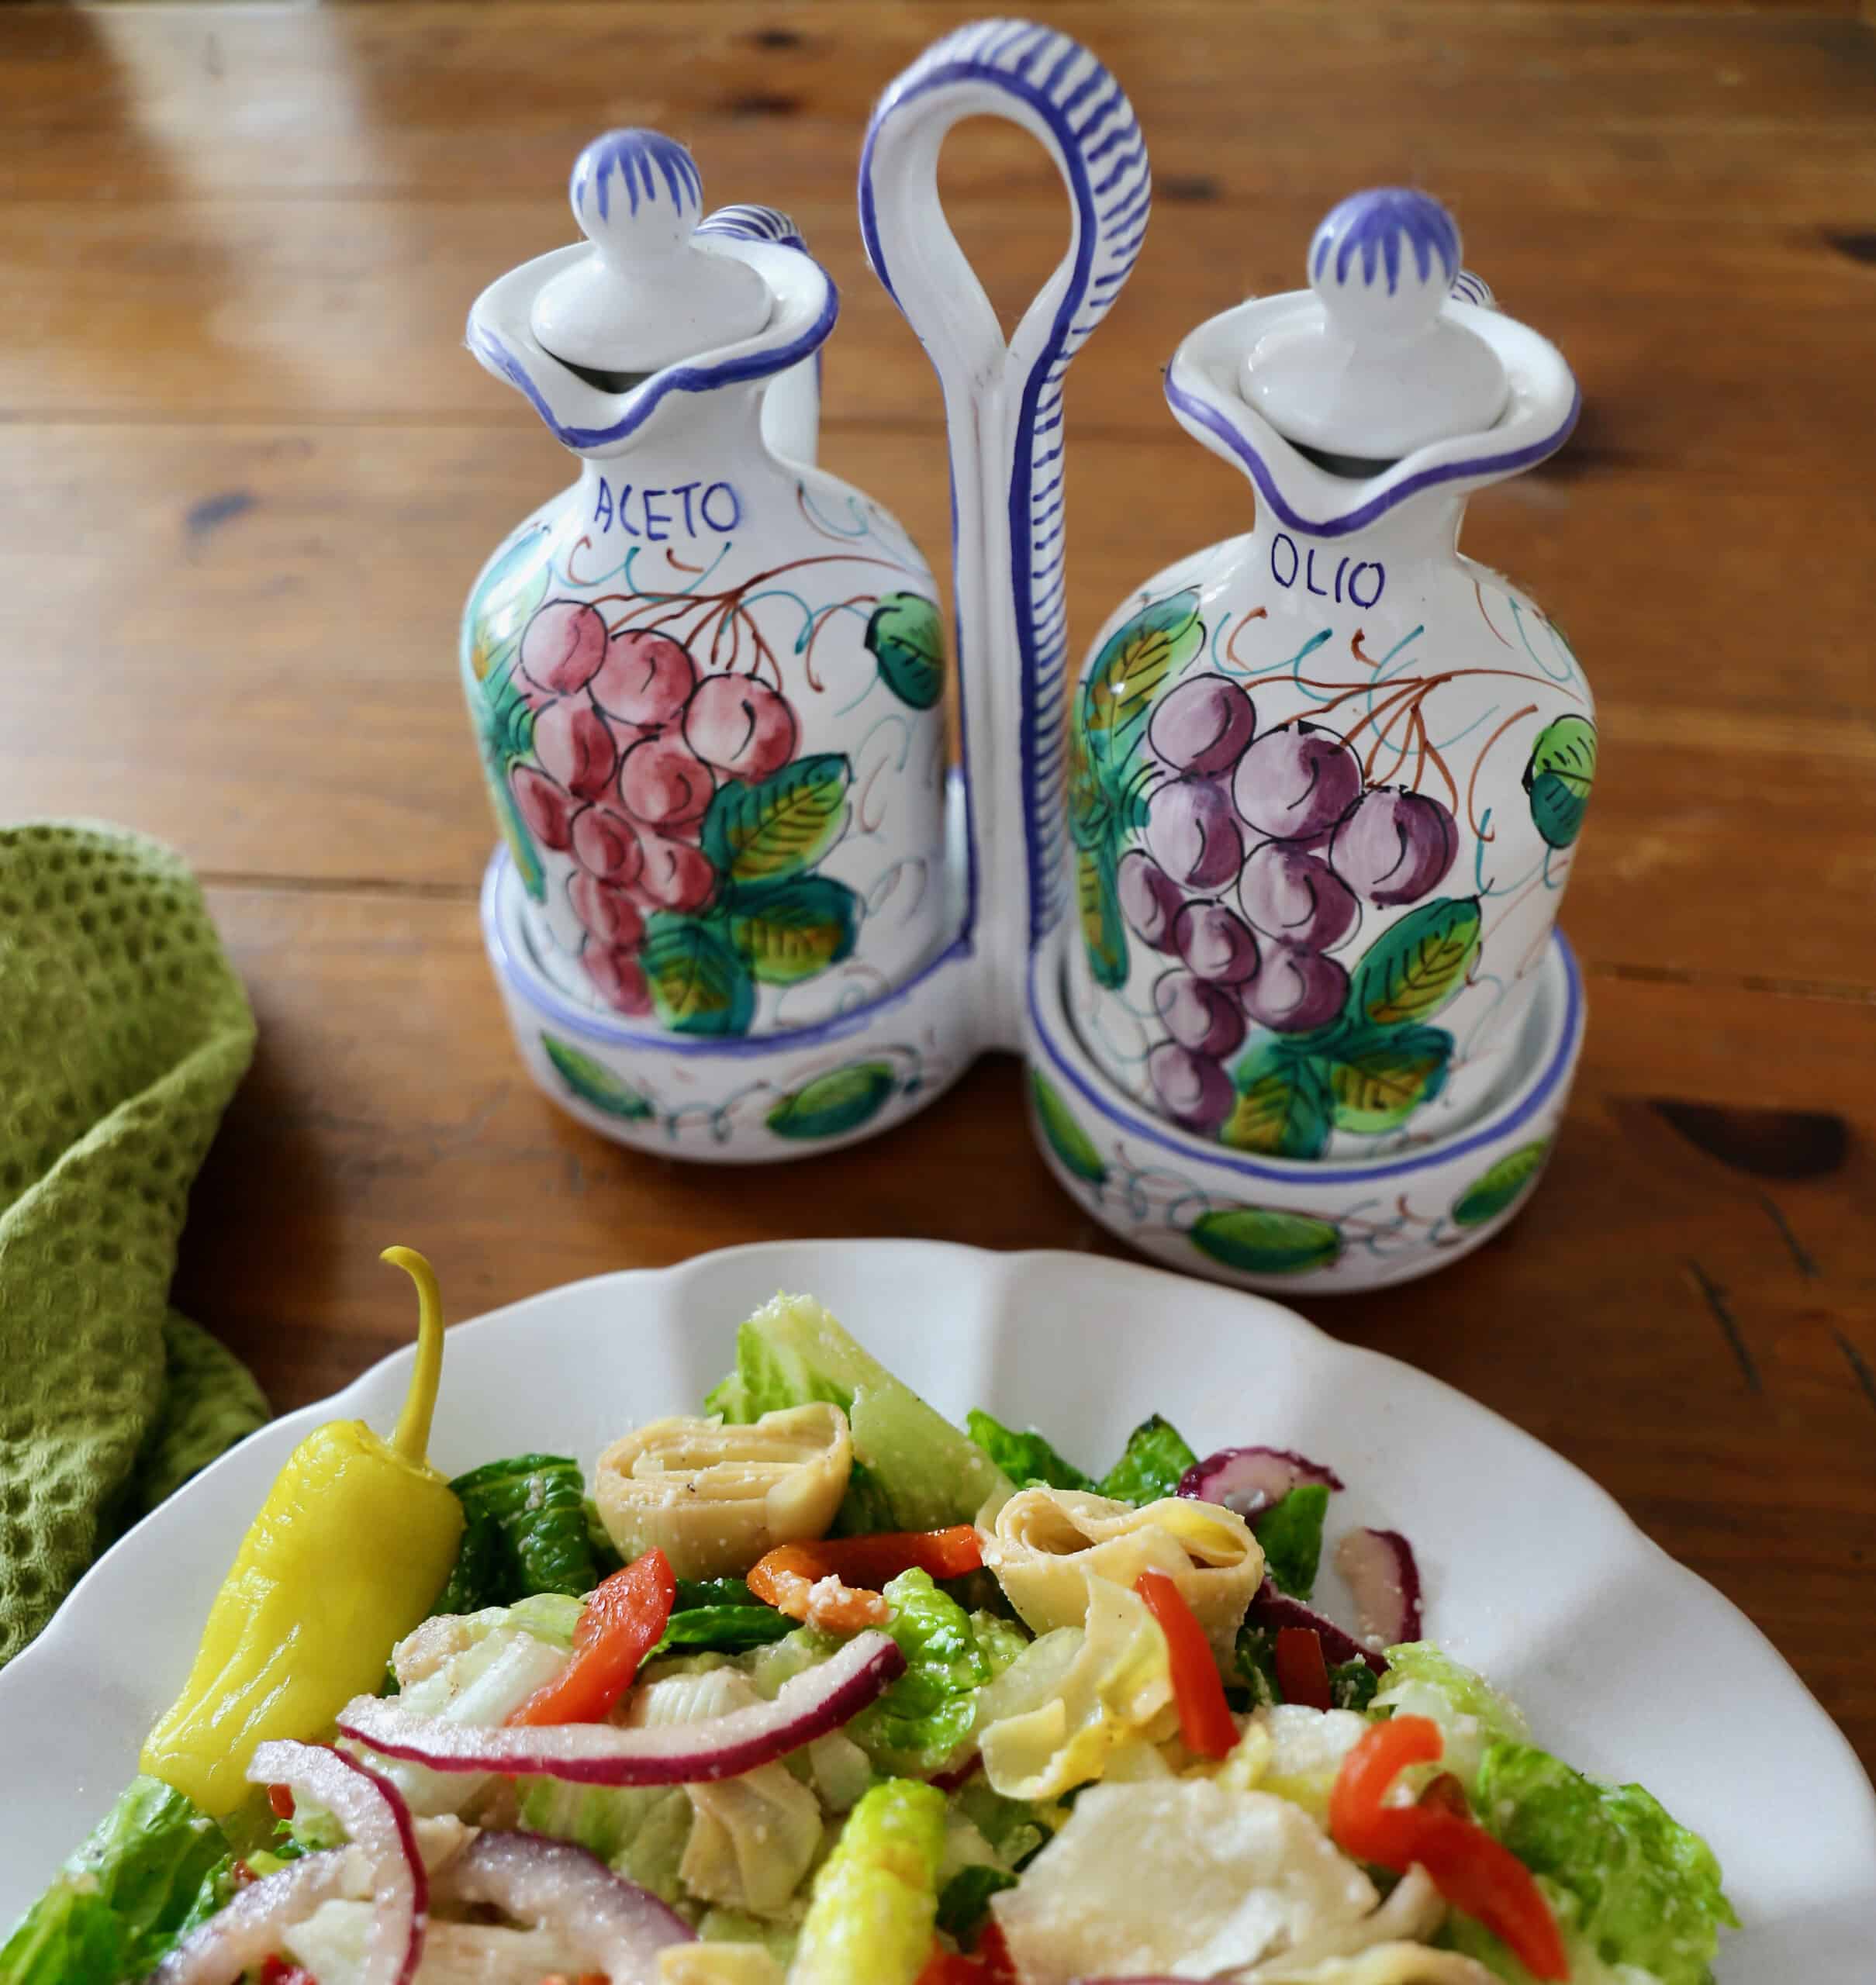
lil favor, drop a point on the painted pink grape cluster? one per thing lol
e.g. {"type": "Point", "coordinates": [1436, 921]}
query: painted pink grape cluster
{"type": "Point", "coordinates": [631, 743]}
{"type": "Point", "coordinates": [1259, 851]}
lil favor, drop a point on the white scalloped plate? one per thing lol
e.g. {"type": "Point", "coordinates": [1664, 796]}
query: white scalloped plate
{"type": "Point", "coordinates": [1626, 1662]}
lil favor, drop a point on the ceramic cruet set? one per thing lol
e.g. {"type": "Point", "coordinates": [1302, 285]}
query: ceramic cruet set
{"type": "Point", "coordinates": [1270, 915]}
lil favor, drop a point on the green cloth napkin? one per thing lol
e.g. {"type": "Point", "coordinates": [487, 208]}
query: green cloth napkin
{"type": "Point", "coordinates": [123, 1031]}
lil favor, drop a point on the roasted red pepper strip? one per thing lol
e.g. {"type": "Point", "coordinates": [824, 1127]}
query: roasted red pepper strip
{"type": "Point", "coordinates": [794, 1580]}
{"type": "Point", "coordinates": [620, 1624]}
{"type": "Point", "coordinates": [993, 1955]}
{"type": "Point", "coordinates": [1474, 1872]}
{"type": "Point", "coordinates": [858, 1567]}
{"type": "Point", "coordinates": [1204, 1717]}
{"type": "Point", "coordinates": [1447, 1793]}
{"type": "Point", "coordinates": [871, 1561]}
{"type": "Point", "coordinates": [1301, 1673]}
{"type": "Point", "coordinates": [946, 1967]}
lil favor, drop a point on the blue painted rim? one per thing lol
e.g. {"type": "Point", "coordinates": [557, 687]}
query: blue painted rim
{"type": "Point", "coordinates": [528, 982]}
{"type": "Point", "coordinates": [645, 400]}
{"type": "Point", "coordinates": [1195, 1151]}
{"type": "Point", "coordinates": [1234, 437]}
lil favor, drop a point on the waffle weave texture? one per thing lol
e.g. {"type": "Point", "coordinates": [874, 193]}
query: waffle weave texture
{"type": "Point", "coordinates": [123, 1031]}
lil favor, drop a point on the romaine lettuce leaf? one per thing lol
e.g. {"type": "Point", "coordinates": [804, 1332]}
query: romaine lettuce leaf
{"type": "Point", "coordinates": [1423, 1681]}
{"type": "Point", "coordinates": [70, 1936]}
{"type": "Point", "coordinates": [1001, 1641]}
{"type": "Point", "coordinates": [875, 1901]}
{"type": "Point", "coordinates": [1352, 1684]}
{"type": "Point", "coordinates": [964, 1901]}
{"type": "Point", "coordinates": [731, 1926]}
{"type": "Point", "coordinates": [928, 1713]}
{"type": "Point", "coordinates": [1014, 1828]}
{"type": "Point", "coordinates": [1630, 1886]}
{"type": "Point", "coordinates": [1290, 1532]}
{"type": "Point", "coordinates": [769, 1667]}
{"type": "Point", "coordinates": [914, 1471]}
{"type": "Point", "coordinates": [719, 1615]}
{"type": "Point", "coordinates": [153, 1863]}
{"type": "Point", "coordinates": [524, 1531]}
{"type": "Point", "coordinates": [639, 1831]}
{"type": "Point", "coordinates": [1155, 1459]}
{"type": "Point", "coordinates": [1027, 1458]}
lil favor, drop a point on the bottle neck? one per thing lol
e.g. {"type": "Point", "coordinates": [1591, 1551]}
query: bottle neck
{"type": "Point", "coordinates": [687, 479]}
{"type": "Point", "coordinates": [1353, 568]}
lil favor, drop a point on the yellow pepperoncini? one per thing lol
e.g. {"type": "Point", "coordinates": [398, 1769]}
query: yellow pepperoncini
{"type": "Point", "coordinates": [355, 1540]}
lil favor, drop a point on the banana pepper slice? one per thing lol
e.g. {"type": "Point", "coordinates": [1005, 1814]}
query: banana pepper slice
{"type": "Point", "coordinates": [714, 1499]}
{"type": "Point", "coordinates": [354, 1542]}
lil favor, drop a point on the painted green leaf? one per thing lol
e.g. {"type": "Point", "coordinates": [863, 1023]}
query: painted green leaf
{"type": "Point", "coordinates": [1378, 1076]}
{"type": "Point", "coordinates": [1283, 1107]}
{"type": "Point", "coordinates": [1263, 1240]}
{"type": "Point", "coordinates": [1098, 896]}
{"type": "Point", "coordinates": [593, 1084]}
{"type": "Point", "coordinates": [761, 833]}
{"type": "Point", "coordinates": [840, 1101]}
{"type": "Point", "coordinates": [1558, 778]}
{"type": "Point", "coordinates": [1089, 813]}
{"type": "Point", "coordinates": [1069, 1142]}
{"type": "Point", "coordinates": [698, 985]}
{"type": "Point", "coordinates": [503, 603]}
{"type": "Point", "coordinates": [788, 931]}
{"type": "Point", "coordinates": [1416, 965]}
{"type": "Point", "coordinates": [1492, 1192]}
{"type": "Point", "coordinates": [507, 720]}
{"type": "Point", "coordinates": [1135, 660]}
{"type": "Point", "coordinates": [907, 639]}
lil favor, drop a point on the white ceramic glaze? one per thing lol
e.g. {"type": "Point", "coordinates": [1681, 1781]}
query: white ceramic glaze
{"type": "Point", "coordinates": [1369, 857]}
{"type": "Point", "coordinates": [706, 679]}
{"type": "Point", "coordinates": [1331, 1226]}
{"type": "Point", "coordinates": [951, 909]}
{"type": "Point", "coordinates": [651, 293]}
{"type": "Point", "coordinates": [1372, 365]}
{"type": "Point", "coordinates": [1626, 1663]}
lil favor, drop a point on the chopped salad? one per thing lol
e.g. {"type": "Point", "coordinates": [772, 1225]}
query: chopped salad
{"type": "Point", "coordinates": [813, 1687]}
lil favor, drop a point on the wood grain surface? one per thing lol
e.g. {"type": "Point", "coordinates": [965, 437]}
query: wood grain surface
{"type": "Point", "coordinates": [246, 473]}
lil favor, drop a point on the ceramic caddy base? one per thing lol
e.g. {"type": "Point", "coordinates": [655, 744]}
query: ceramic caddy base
{"type": "Point", "coordinates": [1330, 1226]}
{"type": "Point", "coordinates": [1261, 1222]}
{"type": "Point", "coordinates": [753, 1099]}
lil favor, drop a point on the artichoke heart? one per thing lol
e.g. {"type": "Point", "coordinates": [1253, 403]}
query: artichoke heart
{"type": "Point", "coordinates": [751, 1838]}
{"type": "Point", "coordinates": [1046, 1543]}
{"type": "Point", "coordinates": [715, 1498]}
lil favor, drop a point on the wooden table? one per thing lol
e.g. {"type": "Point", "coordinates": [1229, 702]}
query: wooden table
{"type": "Point", "coordinates": [247, 473]}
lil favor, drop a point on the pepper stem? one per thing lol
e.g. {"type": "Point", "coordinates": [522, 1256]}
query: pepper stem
{"type": "Point", "coordinates": [411, 1441]}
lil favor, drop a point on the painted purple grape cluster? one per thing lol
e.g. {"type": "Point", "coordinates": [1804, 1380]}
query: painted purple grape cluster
{"type": "Point", "coordinates": [1260, 852]}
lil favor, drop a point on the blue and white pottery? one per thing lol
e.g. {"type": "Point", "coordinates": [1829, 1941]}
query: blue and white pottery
{"type": "Point", "coordinates": [1270, 915]}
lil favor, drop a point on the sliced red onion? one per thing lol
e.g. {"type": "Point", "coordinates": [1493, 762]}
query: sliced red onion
{"type": "Point", "coordinates": [614, 1925]}
{"type": "Point", "coordinates": [1249, 1479]}
{"type": "Point", "coordinates": [958, 1775]}
{"type": "Point", "coordinates": [1384, 1582]}
{"type": "Point", "coordinates": [810, 1704]}
{"type": "Point", "coordinates": [377, 1821]}
{"type": "Point", "coordinates": [1272, 1608]}
{"type": "Point", "coordinates": [248, 1932]}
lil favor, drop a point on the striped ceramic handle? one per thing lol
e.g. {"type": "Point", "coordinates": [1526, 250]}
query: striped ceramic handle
{"type": "Point", "coordinates": [1003, 408]}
